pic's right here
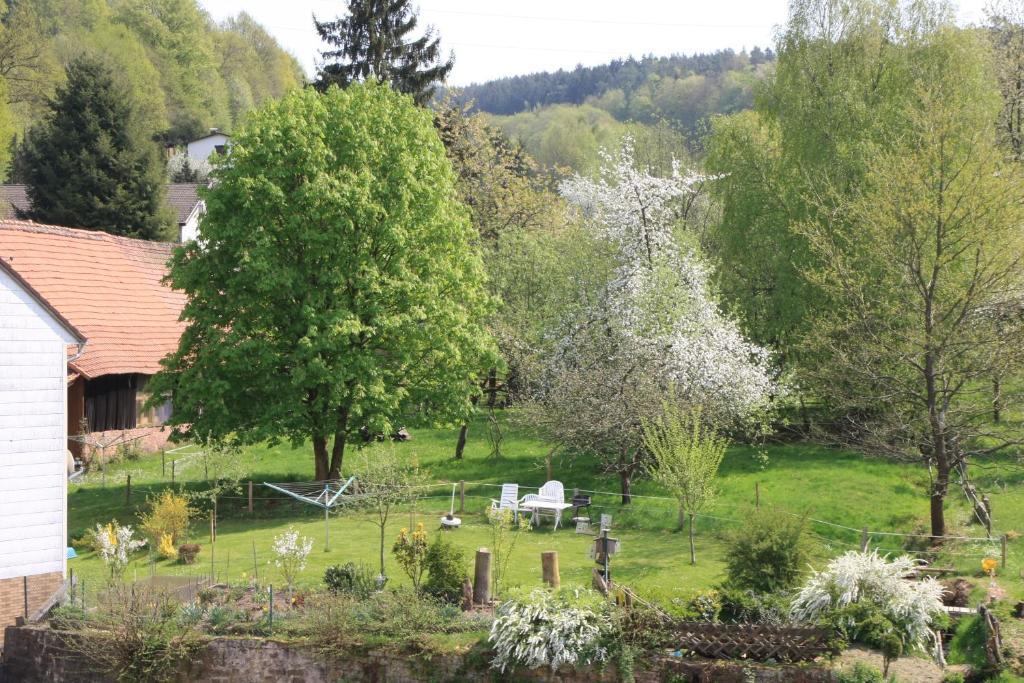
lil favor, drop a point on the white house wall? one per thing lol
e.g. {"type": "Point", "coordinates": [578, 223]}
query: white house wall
{"type": "Point", "coordinates": [33, 435]}
{"type": "Point", "coordinates": [205, 147]}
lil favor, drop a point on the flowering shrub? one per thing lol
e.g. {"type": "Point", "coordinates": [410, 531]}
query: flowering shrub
{"type": "Point", "coordinates": [168, 515]}
{"type": "Point", "coordinates": [867, 596]}
{"type": "Point", "coordinates": [550, 629]}
{"type": "Point", "coordinates": [290, 553]}
{"type": "Point", "coordinates": [166, 547]}
{"type": "Point", "coordinates": [411, 552]}
{"type": "Point", "coordinates": [115, 544]}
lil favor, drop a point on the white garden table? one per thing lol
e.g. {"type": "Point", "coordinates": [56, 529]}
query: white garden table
{"type": "Point", "coordinates": [540, 505]}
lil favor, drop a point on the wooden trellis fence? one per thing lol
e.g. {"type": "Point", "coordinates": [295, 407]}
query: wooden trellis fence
{"type": "Point", "coordinates": [752, 642]}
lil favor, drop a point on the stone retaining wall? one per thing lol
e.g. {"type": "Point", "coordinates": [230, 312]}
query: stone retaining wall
{"type": "Point", "coordinates": [38, 655]}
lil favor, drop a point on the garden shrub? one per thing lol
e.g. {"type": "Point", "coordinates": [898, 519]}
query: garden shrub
{"type": "Point", "coordinates": [352, 578]}
{"type": "Point", "coordinates": [446, 571]}
{"type": "Point", "coordinates": [136, 635]}
{"type": "Point", "coordinates": [187, 553]}
{"type": "Point", "coordinates": [166, 547]}
{"type": "Point", "coordinates": [740, 606]}
{"type": "Point", "coordinates": [169, 514]}
{"type": "Point", "coordinates": [860, 673]}
{"type": "Point", "coordinates": [410, 551]}
{"type": "Point", "coordinates": [336, 622]}
{"type": "Point", "coordinates": [768, 553]}
{"type": "Point", "coordinates": [550, 629]}
{"type": "Point", "coordinates": [703, 605]}
{"type": "Point", "coordinates": [866, 597]}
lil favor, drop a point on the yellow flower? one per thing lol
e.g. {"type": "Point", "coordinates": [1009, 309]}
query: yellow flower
{"type": "Point", "coordinates": [989, 564]}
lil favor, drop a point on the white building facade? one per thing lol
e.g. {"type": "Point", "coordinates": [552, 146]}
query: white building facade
{"type": "Point", "coordinates": [34, 346]}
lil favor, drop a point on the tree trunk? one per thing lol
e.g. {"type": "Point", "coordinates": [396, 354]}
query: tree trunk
{"type": "Point", "coordinates": [320, 457]}
{"type": "Point", "coordinates": [625, 479]}
{"type": "Point", "coordinates": [997, 399]}
{"type": "Point", "coordinates": [340, 438]}
{"type": "Point", "coordinates": [492, 387]}
{"type": "Point", "coordinates": [940, 451]}
{"type": "Point", "coordinates": [337, 455]}
{"type": "Point", "coordinates": [382, 529]}
{"type": "Point", "coordinates": [693, 551]}
{"type": "Point", "coordinates": [460, 445]}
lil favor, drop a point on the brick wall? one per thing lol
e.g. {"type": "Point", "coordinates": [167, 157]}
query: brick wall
{"type": "Point", "coordinates": [41, 588]}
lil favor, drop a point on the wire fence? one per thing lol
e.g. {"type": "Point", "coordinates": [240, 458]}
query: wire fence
{"type": "Point", "coordinates": [471, 498]}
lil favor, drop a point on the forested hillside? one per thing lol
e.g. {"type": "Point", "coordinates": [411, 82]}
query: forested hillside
{"type": "Point", "coordinates": [563, 117]}
{"type": "Point", "coordinates": [187, 72]}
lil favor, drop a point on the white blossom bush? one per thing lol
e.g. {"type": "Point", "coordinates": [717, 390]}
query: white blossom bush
{"type": "Point", "coordinates": [115, 544]}
{"type": "Point", "coordinates": [659, 311]}
{"type": "Point", "coordinates": [181, 168]}
{"type": "Point", "coordinates": [854, 577]}
{"type": "Point", "coordinates": [290, 553]}
{"type": "Point", "coordinates": [550, 629]}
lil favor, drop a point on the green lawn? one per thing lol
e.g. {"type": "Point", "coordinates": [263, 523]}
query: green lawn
{"type": "Point", "coordinates": [829, 485]}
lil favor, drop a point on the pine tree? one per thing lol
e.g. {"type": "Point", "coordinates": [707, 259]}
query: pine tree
{"type": "Point", "coordinates": [371, 44]}
{"type": "Point", "coordinates": [89, 165]}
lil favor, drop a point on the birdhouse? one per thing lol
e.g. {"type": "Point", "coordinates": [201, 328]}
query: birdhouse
{"type": "Point", "coordinates": [604, 546]}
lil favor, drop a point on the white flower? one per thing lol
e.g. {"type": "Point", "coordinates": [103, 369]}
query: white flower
{"type": "Point", "coordinates": [116, 544]}
{"type": "Point", "coordinates": [547, 630]}
{"type": "Point", "coordinates": [658, 311]}
{"type": "Point", "coordinates": [856, 577]}
{"type": "Point", "coordinates": [290, 553]}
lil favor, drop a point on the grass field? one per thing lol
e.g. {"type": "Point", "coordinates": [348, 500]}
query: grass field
{"type": "Point", "coordinates": [844, 489]}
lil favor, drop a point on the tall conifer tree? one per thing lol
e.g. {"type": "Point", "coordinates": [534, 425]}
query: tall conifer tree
{"type": "Point", "coordinates": [89, 164]}
{"type": "Point", "coordinates": [374, 42]}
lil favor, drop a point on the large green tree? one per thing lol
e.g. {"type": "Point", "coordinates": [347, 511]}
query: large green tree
{"type": "Point", "coordinates": [377, 41]}
{"type": "Point", "coordinates": [89, 164]}
{"type": "Point", "coordinates": [841, 80]}
{"type": "Point", "coordinates": [925, 258]}
{"type": "Point", "coordinates": [338, 285]}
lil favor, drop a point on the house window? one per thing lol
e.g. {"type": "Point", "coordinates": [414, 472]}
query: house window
{"type": "Point", "coordinates": [110, 402]}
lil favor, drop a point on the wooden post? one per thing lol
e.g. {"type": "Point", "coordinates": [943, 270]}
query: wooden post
{"type": "Point", "coordinates": [1002, 542]}
{"type": "Point", "coordinates": [163, 463]}
{"type": "Point", "coordinates": [482, 577]}
{"type": "Point", "coordinates": [128, 490]}
{"type": "Point", "coordinates": [987, 504]}
{"type": "Point", "coordinates": [172, 470]}
{"type": "Point", "coordinates": [864, 540]}
{"type": "Point", "coordinates": [549, 568]}
{"type": "Point", "coordinates": [250, 496]}
{"type": "Point", "coordinates": [757, 495]}
{"type": "Point", "coordinates": [462, 496]}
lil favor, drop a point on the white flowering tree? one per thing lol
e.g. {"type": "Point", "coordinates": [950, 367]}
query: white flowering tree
{"type": "Point", "coordinates": [655, 325]}
{"type": "Point", "coordinates": [115, 544]}
{"type": "Point", "coordinates": [910, 609]}
{"type": "Point", "coordinates": [290, 554]}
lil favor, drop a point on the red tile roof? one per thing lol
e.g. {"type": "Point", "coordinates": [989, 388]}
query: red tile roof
{"type": "Point", "coordinates": [108, 287]}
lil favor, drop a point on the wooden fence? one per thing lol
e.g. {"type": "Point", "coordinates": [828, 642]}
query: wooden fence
{"type": "Point", "coordinates": [752, 642]}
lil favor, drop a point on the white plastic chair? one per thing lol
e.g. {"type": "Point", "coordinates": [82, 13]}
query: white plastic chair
{"type": "Point", "coordinates": [509, 499]}
{"type": "Point", "coordinates": [553, 491]}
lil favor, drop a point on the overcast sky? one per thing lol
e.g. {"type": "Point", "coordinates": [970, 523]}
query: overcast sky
{"type": "Point", "coordinates": [494, 38]}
